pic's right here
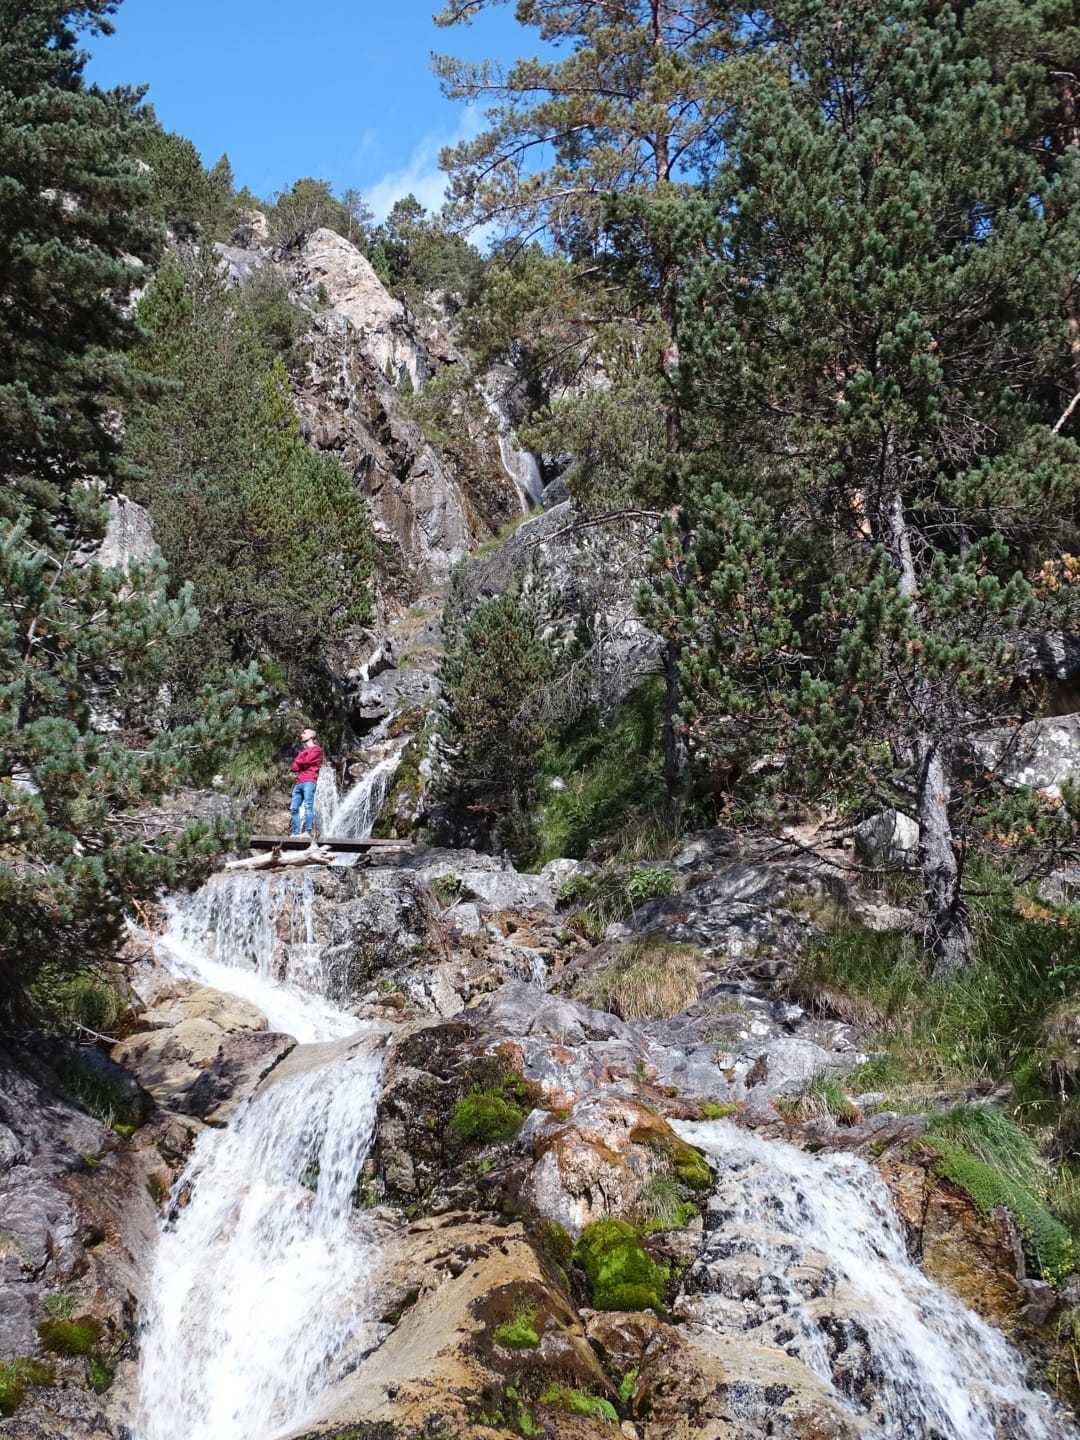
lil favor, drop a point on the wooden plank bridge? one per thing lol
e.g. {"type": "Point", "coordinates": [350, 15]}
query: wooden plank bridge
{"type": "Point", "coordinates": [281, 852]}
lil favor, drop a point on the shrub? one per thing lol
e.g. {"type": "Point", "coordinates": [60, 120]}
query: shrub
{"type": "Point", "coordinates": [620, 1274]}
{"type": "Point", "coordinates": [487, 1117]}
{"type": "Point", "coordinates": [647, 979]}
{"type": "Point", "coordinates": [447, 889]}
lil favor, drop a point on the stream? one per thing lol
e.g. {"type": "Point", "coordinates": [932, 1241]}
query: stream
{"type": "Point", "coordinates": [259, 1292]}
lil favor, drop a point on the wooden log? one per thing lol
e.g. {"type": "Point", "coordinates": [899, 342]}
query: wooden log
{"type": "Point", "coordinates": [275, 860]}
{"type": "Point", "coordinates": [330, 842]}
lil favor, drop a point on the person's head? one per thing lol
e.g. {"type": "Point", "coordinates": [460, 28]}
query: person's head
{"type": "Point", "coordinates": [307, 737]}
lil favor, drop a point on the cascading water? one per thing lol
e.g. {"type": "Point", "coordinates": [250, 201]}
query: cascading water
{"type": "Point", "coordinates": [257, 1299]}
{"type": "Point", "coordinates": [257, 1296]}
{"type": "Point", "coordinates": [355, 816]}
{"type": "Point", "coordinates": [807, 1253]}
{"type": "Point", "coordinates": [254, 936]}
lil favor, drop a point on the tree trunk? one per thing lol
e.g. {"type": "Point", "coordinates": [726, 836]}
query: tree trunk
{"type": "Point", "coordinates": [948, 936]}
{"type": "Point", "coordinates": [676, 752]}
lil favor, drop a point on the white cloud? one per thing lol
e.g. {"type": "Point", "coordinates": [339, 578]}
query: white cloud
{"type": "Point", "coordinates": [420, 175]}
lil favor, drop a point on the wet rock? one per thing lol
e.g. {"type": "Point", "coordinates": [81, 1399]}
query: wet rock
{"type": "Point", "coordinates": [594, 1161]}
{"type": "Point", "coordinates": [449, 1283]}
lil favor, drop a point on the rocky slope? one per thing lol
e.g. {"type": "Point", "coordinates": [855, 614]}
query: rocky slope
{"type": "Point", "coordinates": [511, 1117]}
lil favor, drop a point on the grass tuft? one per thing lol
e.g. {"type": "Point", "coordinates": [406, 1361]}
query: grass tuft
{"type": "Point", "coordinates": [664, 1203]}
{"type": "Point", "coordinates": [820, 1098]}
{"type": "Point", "coordinates": [647, 979]}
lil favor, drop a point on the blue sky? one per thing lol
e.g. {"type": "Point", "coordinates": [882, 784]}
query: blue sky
{"type": "Point", "coordinates": [339, 89]}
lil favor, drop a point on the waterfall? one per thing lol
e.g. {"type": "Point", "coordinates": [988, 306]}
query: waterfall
{"type": "Point", "coordinates": [254, 936]}
{"type": "Point", "coordinates": [807, 1253]}
{"type": "Point", "coordinates": [520, 465]}
{"type": "Point", "coordinates": [355, 816]}
{"type": "Point", "coordinates": [257, 1298]}
{"type": "Point", "coordinates": [327, 800]}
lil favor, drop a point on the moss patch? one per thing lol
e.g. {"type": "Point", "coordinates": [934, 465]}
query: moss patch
{"type": "Point", "coordinates": [1047, 1243]}
{"type": "Point", "coordinates": [711, 1111]}
{"type": "Point", "coordinates": [620, 1275]}
{"type": "Point", "coordinates": [518, 1333]}
{"type": "Point", "coordinates": [580, 1402]}
{"type": "Point", "coordinates": [70, 1337]}
{"type": "Point", "coordinates": [486, 1117]}
{"type": "Point", "coordinates": [16, 1377]}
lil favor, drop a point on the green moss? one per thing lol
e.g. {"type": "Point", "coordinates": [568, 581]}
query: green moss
{"type": "Point", "coordinates": [1047, 1243]}
{"type": "Point", "coordinates": [692, 1168]}
{"type": "Point", "coordinates": [579, 1402]}
{"type": "Point", "coordinates": [992, 1137]}
{"type": "Point", "coordinates": [16, 1377]}
{"type": "Point", "coordinates": [620, 1274]}
{"type": "Point", "coordinates": [101, 1375]}
{"type": "Point", "coordinates": [486, 1117]}
{"type": "Point", "coordinates": [519, 1333]}
{"type": "Point", "coordinates": [554, 1243]}
{"type": "Point", "coordinates": [627, 1385]}
{"type": "Point", "coordinates": [70, 1337]}
{"type": "Point", "coordinates": [712, 1111]}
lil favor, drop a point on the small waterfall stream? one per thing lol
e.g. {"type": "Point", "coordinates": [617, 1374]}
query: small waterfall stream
{"type": "Point", "coordinates": [354, 817]}
{"type": "Point", "coordinates": [257, 1296]}
{"type": "Point", "coordinates": [807, 1253]}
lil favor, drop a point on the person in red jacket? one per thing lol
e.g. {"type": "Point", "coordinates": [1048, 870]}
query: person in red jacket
{"type": "Point", "coordinates": [305, 768]}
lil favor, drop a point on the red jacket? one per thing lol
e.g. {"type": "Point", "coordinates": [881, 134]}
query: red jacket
{"type": "Point", "coordinates": [307, 764]}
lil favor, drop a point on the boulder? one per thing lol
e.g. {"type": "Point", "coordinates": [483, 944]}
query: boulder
{"type": "Point", "coordinates": [202, 1052]}
{"type": "Point", "coordinates": [888, 839]}
{"type": "Point", "coordinates": [1044, 754]}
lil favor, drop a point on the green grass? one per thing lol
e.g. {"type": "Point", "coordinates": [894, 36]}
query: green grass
{"type": "Point", "coordinates": [16, 1377]}
{"type": "Point", "coordinates": [647, 979]}
{"type": "Point", "coordinates": [820, 1098]}
{"type": "Point", "coordinates": [982, 1026]}
{"type": "Point", "coordinates": [256, 767]}
{"type": "Point", "coordinates": [66, 1001]}
{"type": "Point", "coordinates": [619, 1272]}
{"type": "Point", "coordinates": [99, 1096]}
{"type": "Point", "coordinates": [615, 893]}
{"type": "Point", "coordinates": [510, 528]}
{"type": "Point", "coordinates": [447, 889]}
{"type": "Point", "coordinates": [664, 1203]}
{"type": "Point", "coordinates": [996, 1140]}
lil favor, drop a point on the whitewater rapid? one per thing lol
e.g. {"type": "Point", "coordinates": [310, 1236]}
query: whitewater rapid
{"type": "Point", "coordinates": [258, 1297]}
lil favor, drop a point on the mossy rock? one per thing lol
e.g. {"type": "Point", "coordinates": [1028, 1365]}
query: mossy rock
{"type": "Point", "coordinates": [486, 1117]}
{"type": "Point", "coordinates": [519, 1333]}
{"type": "Point", "coordinates": [619, 1272]}
{"type": "Point", "coordinates": [16, 1377]}
{"type": "Point", "coordinates": [1047, 1243]}
{"type": "Point", "coordinates": [71, 1337]}
{"type": "Point", "coordinates": [580, 1402]}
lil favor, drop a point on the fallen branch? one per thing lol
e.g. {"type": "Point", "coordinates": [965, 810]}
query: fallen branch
{"type": "Point", "coordinates": [275, 860]}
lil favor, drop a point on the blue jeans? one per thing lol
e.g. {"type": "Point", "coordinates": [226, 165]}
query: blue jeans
{"type": "Point", "coordinates": [303, 794]}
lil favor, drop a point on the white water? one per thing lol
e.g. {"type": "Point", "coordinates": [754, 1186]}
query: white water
{"type": "Point", "coordinates": [254, 936]}
{"type": "Point", "coordinates": [822, 1235]}
{"type": "Point", "coordinates": [520, 465]}
{"type": "Point", "coordinates": [259, 1292]}
{"type": "Point", "coordinates": [355, 816]}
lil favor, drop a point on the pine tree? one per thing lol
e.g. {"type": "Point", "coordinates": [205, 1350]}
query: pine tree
{"type": "Point", "coordinates": [274, 537]}
{"type": "Point", "coordinates": [79, 646]}
{"type": "Point", "coordinates": [883, 501]}
{"type": "Point", "coordinates": [73, 229]}
{"type": "Point", "coordinates": [496, 665]}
